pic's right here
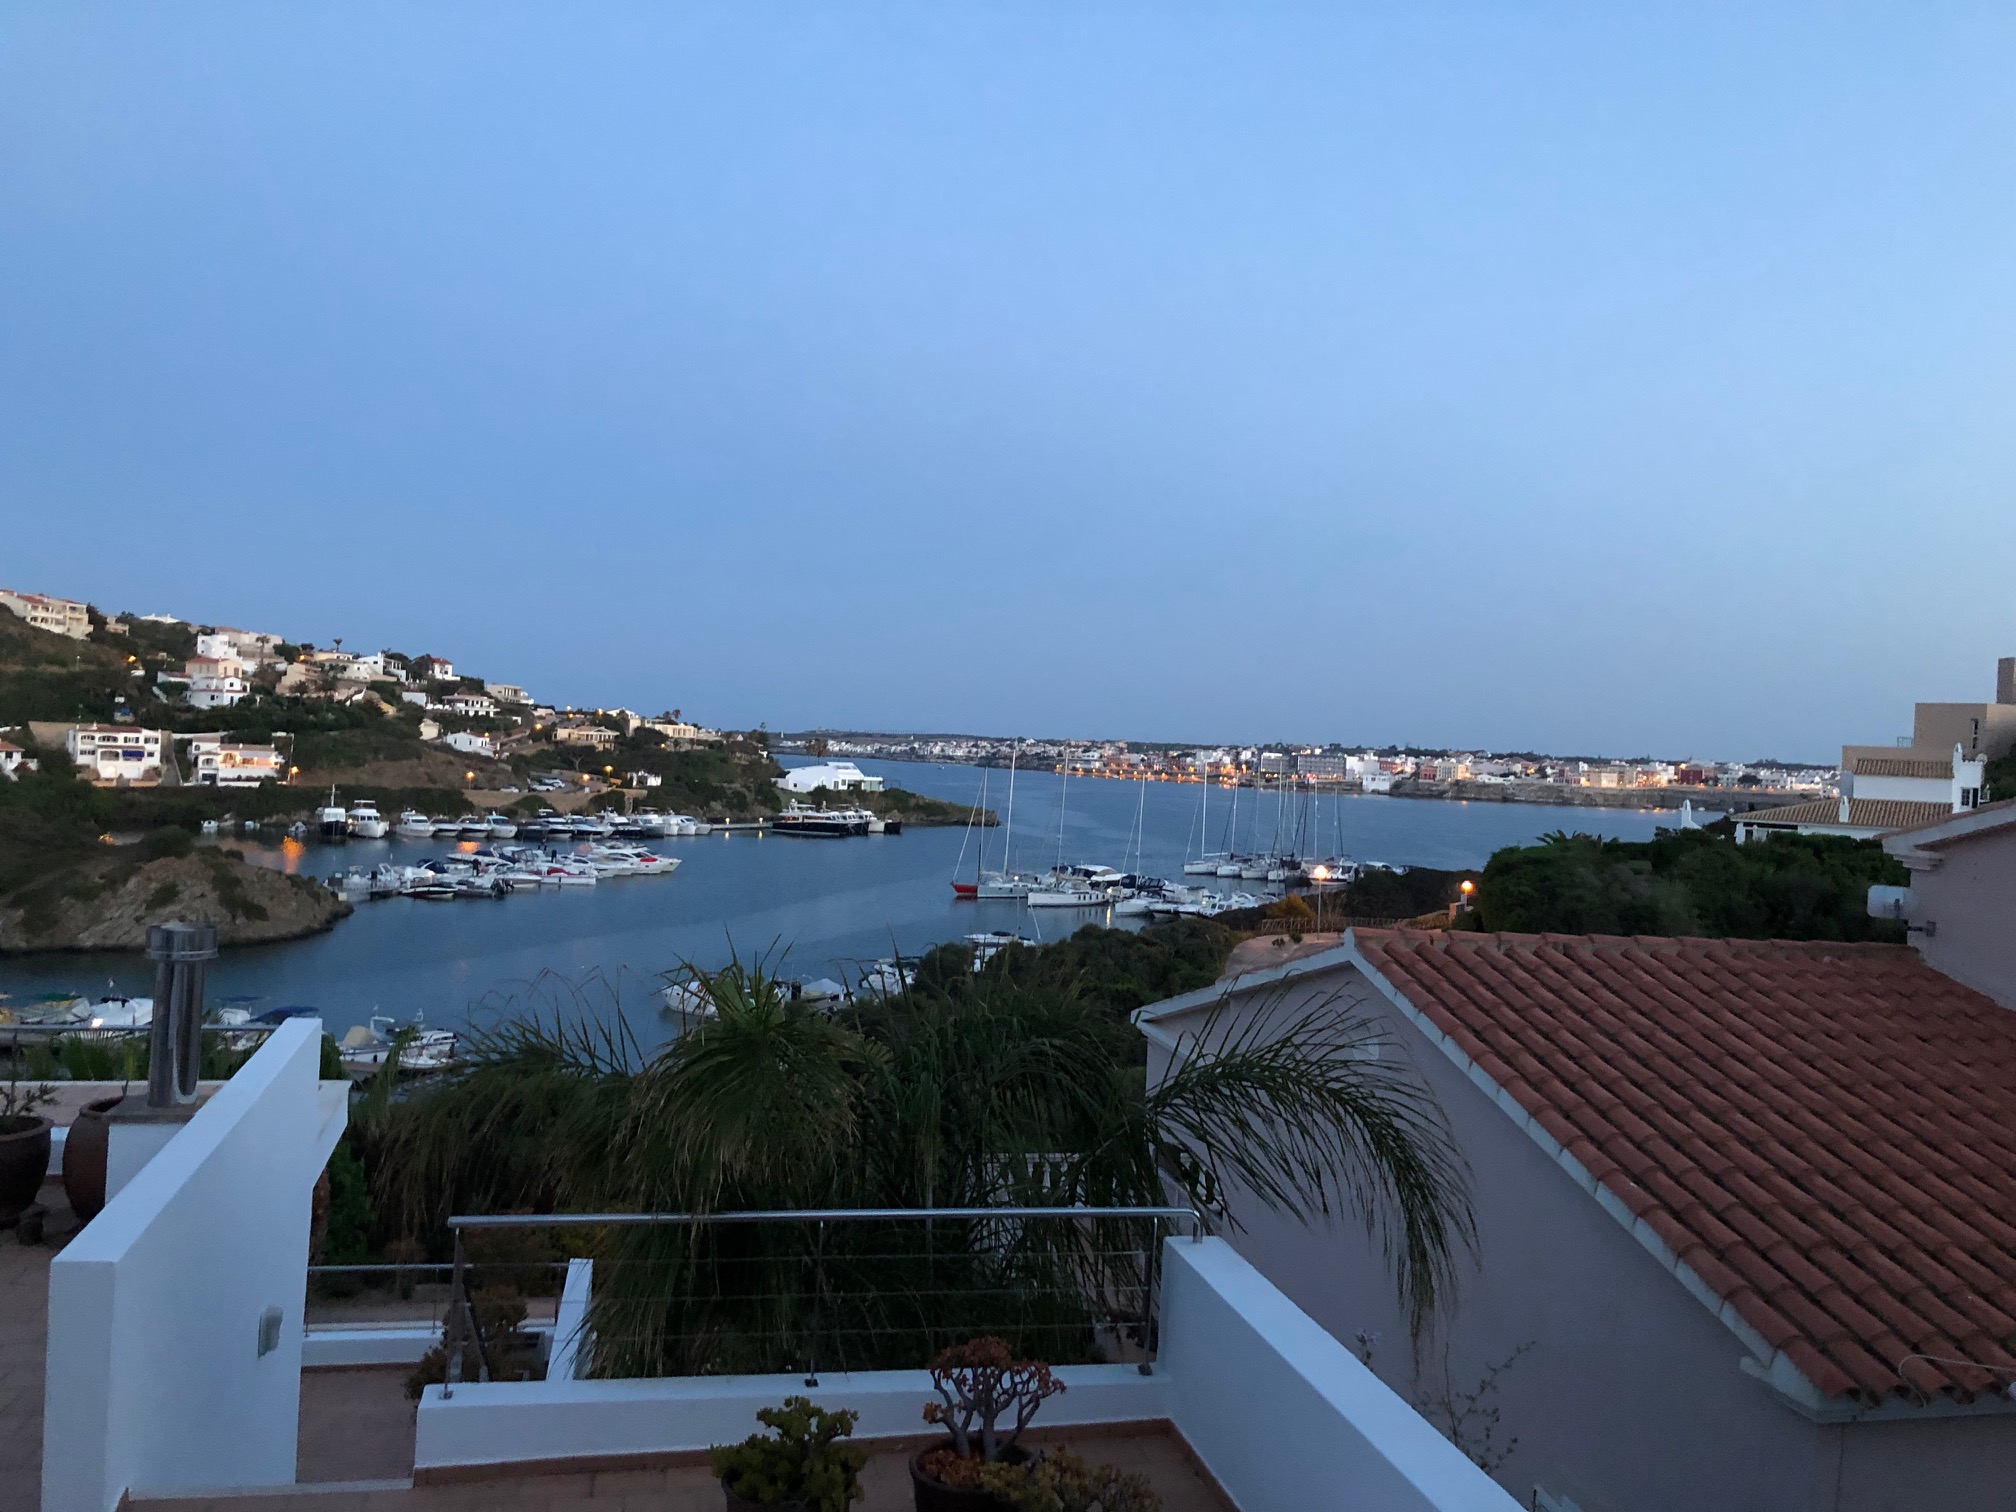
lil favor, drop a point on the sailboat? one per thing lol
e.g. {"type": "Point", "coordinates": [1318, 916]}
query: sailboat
{"type": "Point", "coordinates": [994, 886]}
{"type": "Point", "coordinates": [1207, 862]}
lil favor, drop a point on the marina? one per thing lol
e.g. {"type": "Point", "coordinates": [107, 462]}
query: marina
{"type": "Point", "coordinates": [811, 910]}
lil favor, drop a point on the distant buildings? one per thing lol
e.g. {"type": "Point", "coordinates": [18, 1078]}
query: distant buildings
{"type": "Point", "coordinates": [580, 732]}
{"type": "Point", "coordinates": [14, 760]}
{"type": "Point", "coordinates": [834, 776]}
{"type": "Point", "coordinates": [111, 754]}
{"type": "Point", "coordinates": [1939, 772]}
{"type": "Point", "coordinates": [56, 615]}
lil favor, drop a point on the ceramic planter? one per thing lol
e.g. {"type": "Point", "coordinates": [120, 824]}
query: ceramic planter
{"type": "Point", "coordinates": [24, 1161]}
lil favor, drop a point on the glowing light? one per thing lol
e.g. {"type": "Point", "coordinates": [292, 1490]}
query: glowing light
{"type": "Point", "coordinates": [1319, 873]}
{"type": "Point", "coordinates": [1468, 887]}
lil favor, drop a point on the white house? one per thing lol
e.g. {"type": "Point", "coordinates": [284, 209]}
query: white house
{"type": "Point", "coordinates": [469, 743]}
{"type": "Point", "coordinates": [507, 693]}
{"type": "Point", "coordinates": [431, 669]}
{"type": "Point", "coordinates": [13, 759]}
{"type": "Point", "coordinates": [215, 682]}
{"type": "Point", "coordinates": [231, 763]}
{"type": "Point", "coordinates": [470, 705]}
{"type": "Point", "coordinates": [106, 754]}
{"type": "Point", "coordinates": [1883, 789]}
{"type": "Point", "coordinates": [835, 776]}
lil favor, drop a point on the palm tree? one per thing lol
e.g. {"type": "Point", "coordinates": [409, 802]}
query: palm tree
{"type": "Point", "coordinates": [1000, 1095]}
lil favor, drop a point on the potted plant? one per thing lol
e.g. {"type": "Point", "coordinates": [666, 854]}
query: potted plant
{"type": "Point", "coordinates": [84, 1154]}
{"type": "Point", "coordinates": [978, 1384]}
{"type": "Point", "coordinates": [1059, 1481]}
{"type": "Point", "coordinates": [24, 1148]}
{"type": "Point", "coordinates": [800, 1466]}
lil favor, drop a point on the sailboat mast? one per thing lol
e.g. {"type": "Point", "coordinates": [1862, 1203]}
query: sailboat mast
{"type": "Point", "coordinates": [1008, 835]}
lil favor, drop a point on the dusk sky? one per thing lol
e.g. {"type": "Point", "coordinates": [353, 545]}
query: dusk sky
{"type": "Point", "coordinates": [1582, 378]}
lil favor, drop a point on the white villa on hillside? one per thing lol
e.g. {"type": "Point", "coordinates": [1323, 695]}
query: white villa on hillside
{"type": "Point", "coordinates": [834, 776]}
{"type": "Point", "coordinates": [108, 754]}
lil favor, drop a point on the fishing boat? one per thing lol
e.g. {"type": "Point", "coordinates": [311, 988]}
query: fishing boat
{"type": "Point", "coordinates": [332, 820]}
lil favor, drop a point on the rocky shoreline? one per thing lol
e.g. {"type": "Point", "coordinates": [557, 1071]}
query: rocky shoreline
{"type": "Point", "coordinates": [1719, 800]}
{"type": "Point", "coordinates": [106, 903]}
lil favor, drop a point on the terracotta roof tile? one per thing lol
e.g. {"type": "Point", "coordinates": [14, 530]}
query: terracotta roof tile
{"type": "Point", "coordinates": [1825, 1133]}
{"type": "Point", "coordinates": [1863, 813]}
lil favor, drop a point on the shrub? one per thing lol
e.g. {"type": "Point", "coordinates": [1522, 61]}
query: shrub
{"type": "Point", "coordinates": [978, 1382]}
{"type": "Point", "coordinates": [1059, 1481]}
{"type": "Point", "coordinates": [801, 1460]}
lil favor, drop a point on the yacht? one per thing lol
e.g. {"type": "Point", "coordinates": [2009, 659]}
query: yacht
{"type": "Point", "coordinates": [364, 1050]}
{"type": "Point", "coordinates": [447, 829]}
{"type": "Point", "coordinates": [991, 943]}
{"type": "Point", "coordinates": [819, 823]}
{"type": "Point", "coordinates": [415, 826]}
{"type": "Point", "coordinates": [365, 822]}
{"type": "Point", "coordinates": [998, 885]}
{"type": "Point", "coordinates": [1231, 866]}
{"type": "Point", "coordinates": [476, 826]}
{"type": "Point", "coordinates": [332, 820]}
{"type": "Point", "coordinates": [886, 978]}
{"type": "Point", "coordinates": [1059, 894]}
{"type": "Point", "coordinates": [501, 828]}
{"type": "Point", "coordinates": [1204, 866]}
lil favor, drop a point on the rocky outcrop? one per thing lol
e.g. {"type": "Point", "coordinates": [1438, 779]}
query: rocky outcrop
{"type": "Point", "coordinates": [106, 903]}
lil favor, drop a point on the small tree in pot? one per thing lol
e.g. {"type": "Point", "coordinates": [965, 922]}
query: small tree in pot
{"type": "Point", "coordinates": [978, 1383]}
{"type": "Point", "coordinates": [801, 1465]}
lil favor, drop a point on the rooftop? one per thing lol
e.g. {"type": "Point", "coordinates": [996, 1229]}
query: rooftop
{"type": "Point", "coordinates": [1863, 813]}
{"type": "Point", "coordinates": [1938, 768]}
{"type": "Point", "coordinates": [1824, 1133]}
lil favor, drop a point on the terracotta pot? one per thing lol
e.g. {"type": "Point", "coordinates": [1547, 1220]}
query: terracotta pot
{"type": "Point", "coordinates": [743, 1504]}
{"type": "Point", "coordinates": [934, 1495]}
{"type": "Point", "coordinates": [24, 1161]}
{"type": "Point", "coordinates": [84, 1158]}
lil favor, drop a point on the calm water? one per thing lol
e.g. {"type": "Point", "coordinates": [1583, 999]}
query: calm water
{"type": "Point", "coordinates": [819, 906]}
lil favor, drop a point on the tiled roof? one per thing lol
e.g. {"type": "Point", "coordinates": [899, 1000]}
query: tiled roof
{"type": "Point", "coordinates": [1939, 768]}
{"type": "Point", "coordinates": [1824, 1133]}
{"type": "Point", "coordinates": [1863, 813]}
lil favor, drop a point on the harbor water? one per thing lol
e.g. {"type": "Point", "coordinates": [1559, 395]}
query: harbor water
{"type": "Point", "coordinates": [807, 907]}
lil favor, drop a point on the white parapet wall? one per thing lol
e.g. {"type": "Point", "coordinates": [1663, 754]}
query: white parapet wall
{"type": "Point", "coordinates": [175, 1316]}
{"type": "Point", "coordinates": [1285, 1417]}
{"type": "Point", "coordinates": [1282, 1415]}
{"type": "Point", "coordinates": [498, 1424]}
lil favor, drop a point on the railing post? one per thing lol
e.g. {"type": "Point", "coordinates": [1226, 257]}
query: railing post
{"type": "Point", "coordinates": [818, 1304]}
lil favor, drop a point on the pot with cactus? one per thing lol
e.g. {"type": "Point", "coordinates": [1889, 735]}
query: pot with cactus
{"type": "Point", "coordinates": [801, 1465]}
{"type": "Point", "coordinates": [979, 1384]}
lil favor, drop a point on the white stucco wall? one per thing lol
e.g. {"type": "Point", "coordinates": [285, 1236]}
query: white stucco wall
{"type": "Point", "coordinates": [155, 1384]}
{"type": "Point", "coordinates": [1282, 1414]}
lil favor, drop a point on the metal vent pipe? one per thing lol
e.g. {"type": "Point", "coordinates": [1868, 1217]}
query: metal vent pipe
{"type": "Point", "coordinates": [181, 954]}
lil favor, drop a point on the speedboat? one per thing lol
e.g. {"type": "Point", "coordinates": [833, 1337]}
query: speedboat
{"type": "Point", "coordinates": [447, 829]}
{"type": "Point", "coordinates": [886, 978]}
{"type": "Point", "coordinates": [365, 822]}
{"type": "Point", "coordinates": [415, 826]}
{"type": "Point", "coordinates": [502, 828]}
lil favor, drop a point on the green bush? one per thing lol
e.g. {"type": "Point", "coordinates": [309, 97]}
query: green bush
{"type": "Point", "coordinates": [1059, 1481]}
{"type": "Point", "coordinates": [169, 840]}
{"type": "Point", "coordinates": [801, 1460]}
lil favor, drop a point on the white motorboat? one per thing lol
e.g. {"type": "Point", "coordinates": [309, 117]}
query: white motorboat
{"type": "Point", "coordinates": [364, 820]}
{"type": "Point", "coordinates": [118, 1011]}
{"type": "Point", "coordinates": [447, 829]}
{"type": "Point", "coordinates": [1231, 866]}
{"type": "Point", "coordinates": [365, 1049]}
{"type": "Point", "coordinates": [990, 943]}
{"type": "Point", "coordinates": [998, 885]}
{"type": "Point", "coordinates": [1204, 866]}
{"type": "Point", "coordinates": [886, 978]}
{"type": "Point", "coordinates": [502, 828]}
{"type": "Point", "coordinates": [1058, 895]}
{"type": "Point", "coordinates": [415, 826]}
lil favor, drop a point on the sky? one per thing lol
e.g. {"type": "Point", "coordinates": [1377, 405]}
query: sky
{"type": "Point", "coordinates": [1568, 377]}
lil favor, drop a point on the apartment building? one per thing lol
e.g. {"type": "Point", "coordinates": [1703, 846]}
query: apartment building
{"type": "Point", "coordinates": [56, 615]}
{"type": "Point", "coordinates": [220, 762]}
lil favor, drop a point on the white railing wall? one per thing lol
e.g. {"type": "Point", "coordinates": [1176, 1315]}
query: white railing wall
{"type": "Point", "coordinates": [1284, 1416]}
{"type": "Point", "coordinates": [165, 1374]}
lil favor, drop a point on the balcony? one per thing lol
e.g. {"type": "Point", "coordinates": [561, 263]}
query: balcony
{"type": "Point", "coordinates": [184, 1370]}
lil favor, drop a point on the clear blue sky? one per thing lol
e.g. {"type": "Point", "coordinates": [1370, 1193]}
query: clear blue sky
{"type": "Point", "coordinates": [1583, 377]}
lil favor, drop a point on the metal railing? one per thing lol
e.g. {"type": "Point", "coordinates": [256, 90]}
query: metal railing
{"type": "Point", "coordinates": [800, 1290]}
